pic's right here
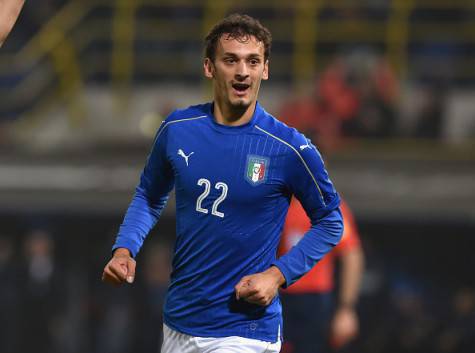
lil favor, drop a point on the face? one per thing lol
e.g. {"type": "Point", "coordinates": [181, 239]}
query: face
{"type": "Point", "coordinates": [237, 71]}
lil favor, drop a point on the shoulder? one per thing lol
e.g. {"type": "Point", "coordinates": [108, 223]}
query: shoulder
{"type": "Point", "coordinates": [190, 113]}
{"type": "Point", "coordinates": [286, 135]}
{"type": "Point", "coordinates": [183, 117]}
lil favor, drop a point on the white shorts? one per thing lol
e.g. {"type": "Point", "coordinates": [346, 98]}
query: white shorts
{"type": "Point", "coordinates": [176, 342]}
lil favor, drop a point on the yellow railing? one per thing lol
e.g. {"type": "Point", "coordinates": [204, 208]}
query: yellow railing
{"type": "Point", "coordinates": [299, 22]}
{"type": "Point", "coordinates": [123, 33]}
{"type": "Point", "coordinates": [397, 35]}
{"type": "Point", "coordinates": [305, 37]}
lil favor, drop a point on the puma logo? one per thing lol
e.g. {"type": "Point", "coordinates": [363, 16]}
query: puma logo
{"type": "Point", "coordinates": [302, 147]}
{"type": "Point", "coordinates": [181, 153]}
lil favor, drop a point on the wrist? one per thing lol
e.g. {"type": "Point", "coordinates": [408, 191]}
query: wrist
{"type": "Point", "coordinates": [277, 274]}
{"type": "Point", "coordinates": [122, 252]}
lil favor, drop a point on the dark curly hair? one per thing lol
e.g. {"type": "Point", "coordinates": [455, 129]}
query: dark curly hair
{"type": "Point", "coordinates": [238, 26]}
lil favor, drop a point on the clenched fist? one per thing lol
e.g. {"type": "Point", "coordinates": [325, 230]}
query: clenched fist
{"type": "Point", "coordinates": [120, 269]}
{"type": "Point", "coordinates": [260, 288]}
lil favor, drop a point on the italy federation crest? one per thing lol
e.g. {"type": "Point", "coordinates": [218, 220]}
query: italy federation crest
{"type": "Point", "coordinates": [256, 169]}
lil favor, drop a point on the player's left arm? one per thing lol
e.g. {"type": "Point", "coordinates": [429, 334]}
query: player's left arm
{"type": "Point", "coordinates": [308, 180]}
{"type": "Point", "coordinates": [9, 11]}
{"type": "Point", "coordinates": [260, 288]}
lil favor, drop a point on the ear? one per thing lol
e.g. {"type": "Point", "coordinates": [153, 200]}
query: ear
{"type": "Point", "coordinates": [265, 73]}
{"type": "Point", "coordinates": [208, 68]}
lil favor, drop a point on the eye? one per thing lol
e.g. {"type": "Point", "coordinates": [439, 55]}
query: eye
{"type": "Point", "coordinates": [229, 60]}
{"type": "Point", "coordinates": [254, 62]}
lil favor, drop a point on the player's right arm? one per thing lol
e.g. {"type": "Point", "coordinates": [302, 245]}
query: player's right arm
{"type": "Point", "coordinates": [150, 197]}
{"type": "Point", "coordinates": [9, 11]}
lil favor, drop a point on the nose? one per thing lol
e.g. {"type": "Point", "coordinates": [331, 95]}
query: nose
{"type": "Point", "coordinates": [242, 71]}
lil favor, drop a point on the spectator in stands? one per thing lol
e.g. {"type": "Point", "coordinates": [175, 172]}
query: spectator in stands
{"type": "Point", "coordinates": [355, 96]}
{"type": "Point", "coordinates": [377, 91]}
{"type": "Point", "coordinates": [321, 113]}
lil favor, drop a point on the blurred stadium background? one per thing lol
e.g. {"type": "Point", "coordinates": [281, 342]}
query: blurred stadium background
{"type": "Point", "coordinates": [385, 87]}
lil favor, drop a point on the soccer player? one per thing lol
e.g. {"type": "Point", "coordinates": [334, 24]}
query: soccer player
{"type": "Point", "coordinates": [9, 11]}
{"type": "Point", "coordinates": [234, 168]}
{"type": "Point", "coordinates": [312, 321]}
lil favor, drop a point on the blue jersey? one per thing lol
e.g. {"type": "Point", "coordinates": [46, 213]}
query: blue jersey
{"type": "Point", "coordinates": [233, 187]}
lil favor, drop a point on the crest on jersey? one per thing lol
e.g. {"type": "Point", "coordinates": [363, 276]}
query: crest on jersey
{"type": "Point", "coordinates": [256, 169]}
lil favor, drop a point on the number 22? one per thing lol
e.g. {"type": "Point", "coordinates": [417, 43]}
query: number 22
{"type": "Point", "coordinates": [214, 208]}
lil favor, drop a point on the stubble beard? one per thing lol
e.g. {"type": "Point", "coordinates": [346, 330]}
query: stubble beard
{"type": "Point", "coordinates": [240, 106]}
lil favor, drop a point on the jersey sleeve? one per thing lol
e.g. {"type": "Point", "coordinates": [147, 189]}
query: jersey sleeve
{"type": "Point", "coordinates": [309, 182]}
{"type": "Point", "coordinates": [151, 195]}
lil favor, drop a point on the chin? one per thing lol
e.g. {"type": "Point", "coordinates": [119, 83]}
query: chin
{"type": "Point", "coordinates": [240, 104]}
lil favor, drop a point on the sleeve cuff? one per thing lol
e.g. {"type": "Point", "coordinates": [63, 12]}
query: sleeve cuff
{"type": "Point", "coordinates": [127, 245]}
{"type": "Point", "coordinates": [284, 271]}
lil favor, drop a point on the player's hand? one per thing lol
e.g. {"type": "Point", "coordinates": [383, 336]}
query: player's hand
{"type": "Point", "coordinates": [344, 327]}
{"type": "Point", "coordinates": [120, 269]}
{"type": "Point", "coordinates": [260, 288]}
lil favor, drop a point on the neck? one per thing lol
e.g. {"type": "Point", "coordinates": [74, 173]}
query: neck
{"type": "Point", "coordinates": [230, 116]}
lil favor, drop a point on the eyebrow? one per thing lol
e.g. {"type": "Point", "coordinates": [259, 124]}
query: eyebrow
{"type": "Point", "coordinates": [252, 55]}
